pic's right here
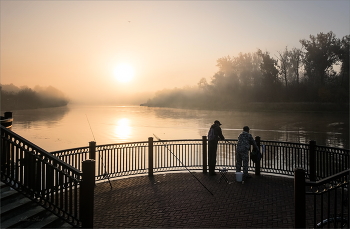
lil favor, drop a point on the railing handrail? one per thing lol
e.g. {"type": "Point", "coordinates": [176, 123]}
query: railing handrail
{"type": "Point", "coordinates": [328, 199]}
{"type": "Point", "coordinates": [328, 179]}
{"type": "Point", "coordinates": [228, 146]}
{"type": "Point", "coordinates": [41, 150]}
{"type": "Point", "coordinates": [39, 175]}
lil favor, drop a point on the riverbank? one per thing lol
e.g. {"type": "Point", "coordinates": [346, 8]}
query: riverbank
{"type": "Point", "coordinates": [12, 108]}
{"type": "Point", "coordinates": [271, 107]}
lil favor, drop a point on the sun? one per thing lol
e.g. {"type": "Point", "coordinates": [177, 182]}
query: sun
{"type": "Point", "coordinates": [124, 72]}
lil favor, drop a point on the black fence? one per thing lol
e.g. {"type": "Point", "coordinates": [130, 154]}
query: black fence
{"type": "Point", "coordinates": [323, 203]}
{"type": "Point", "coordinates": [63, 181]}
{"type": "Point", "coordinates": [125, 159]}
{"type": "Point", "coordinates": [45, 179]}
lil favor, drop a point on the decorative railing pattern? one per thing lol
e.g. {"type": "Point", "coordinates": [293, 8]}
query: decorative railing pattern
{"type": "Point", "coordinates": [330, 199]}
{"type": "Point", "coordinates": [125, 159]}
{"type": "Point", "coordinates": [175, 155]}
{"type": "Point", "coordinates": [324, 203]}
{"type": "Point", "coordinates": [73, 157]}
{"type": "Point", "coordinates": [330, 161]}
{"type": "Point", "coordinates": [40, 176]}
{"type": "Point", "coordinates": [283, 157]}
{"type": "Point", "coordinates": [116, 160]}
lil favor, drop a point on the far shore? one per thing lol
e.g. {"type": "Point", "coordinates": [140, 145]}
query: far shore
{"type": "Point", "coordinates": [272, 107]}
{"type": "Point", "coordinates": [247, 107]}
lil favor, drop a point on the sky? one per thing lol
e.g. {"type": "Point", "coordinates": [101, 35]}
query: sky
{"type": "Point", "coordinates": [124, 51]}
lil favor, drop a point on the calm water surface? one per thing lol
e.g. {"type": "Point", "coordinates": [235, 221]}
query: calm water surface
{"type": "Point", "coordinates": [75, 126]}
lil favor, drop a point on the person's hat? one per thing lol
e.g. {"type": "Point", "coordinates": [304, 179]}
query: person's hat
{"type": "Point", "coordinates": [246, 128]}
{"type": "Point", "coordinates": [217, 122]}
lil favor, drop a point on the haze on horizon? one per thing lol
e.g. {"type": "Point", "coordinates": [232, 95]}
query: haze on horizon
{"type": "Point", "coordinates": [124, 51]}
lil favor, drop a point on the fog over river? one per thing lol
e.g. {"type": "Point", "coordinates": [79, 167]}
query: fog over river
{"type": "Point", "coordinates": [75, 126]}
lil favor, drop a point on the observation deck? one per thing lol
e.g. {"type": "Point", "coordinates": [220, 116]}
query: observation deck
{"type": "Point", "coordinates": [175, 200]}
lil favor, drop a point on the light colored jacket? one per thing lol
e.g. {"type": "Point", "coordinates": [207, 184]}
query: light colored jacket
{"type": "Point", "coordinates": [245, 140]}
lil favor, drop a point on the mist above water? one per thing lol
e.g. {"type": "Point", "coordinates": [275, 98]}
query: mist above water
{"type": "Point", "coordinates": [75, 126]}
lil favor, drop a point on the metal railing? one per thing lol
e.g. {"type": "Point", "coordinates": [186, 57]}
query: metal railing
{"type": "Point", "coordinates": [125, 159]}
{"type": "Point", "coordinates": [56, 180]}
{"type": "Point", "coordinates": [323, 203]}
{"type": "Point", "coordinates": [42, 177]}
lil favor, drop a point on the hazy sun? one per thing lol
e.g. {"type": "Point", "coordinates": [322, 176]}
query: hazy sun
{"type": "Point", "coordinates": [124, 72]}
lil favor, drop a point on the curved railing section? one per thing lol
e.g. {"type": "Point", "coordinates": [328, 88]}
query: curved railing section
{"type": "Point", "coordinates": [116, 160]}
{"type": "Point", "coordinates": [283, 157]}
{"type": "Point", "coordinates": [125, 159]}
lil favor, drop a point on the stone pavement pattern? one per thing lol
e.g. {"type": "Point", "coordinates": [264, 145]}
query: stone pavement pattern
{"type": "Point", "coordinates": [178, 200]}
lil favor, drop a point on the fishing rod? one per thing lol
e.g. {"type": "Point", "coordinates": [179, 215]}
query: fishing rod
{"type": "Point", "coordinates": [106, 173]}
{"type": "Point", "coordinates": [183, 164]}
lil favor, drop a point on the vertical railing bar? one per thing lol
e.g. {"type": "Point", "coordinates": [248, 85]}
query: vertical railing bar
{"type": "Point", "coordinates": [315, 208]}
{"type": "Point", "coordinates": [133, 159]}
{"type": "Point", "coordinates": [55, 194]}
{"type": "Point", "coordinates": [335, 202]}
{"type": "Point", "coordinates": [76, 199]}
{"type": "Point", "coordinates": [76, 159]}
{"type": "Point", "coordinates": [114, 156]}
{"type": "Point", "coordinates": [18, 162]}
{"type": "Point", "coordinates": [121, 160]}
{"type": "Point", "coordinates": [125, 160]}
{"type": "Point", "coordinates": [168, 154]}
{"type": "Point", "coordinates": [61, 188]}
{"type": "Point", "coordinates": [21, 163]}
{"type": "Point", "coordinates": [328, 204]}
{"type": "Point", "coordinates": [137, 157]}
{"type": "Point", "coordinates": [70, 193]}
{"type": "Point", "coordinates": [65, 185]}
{"type": "Point", "coordinates": [130, 159]}
{"type": "Point", "coordinates": [12, 163]}
{"type": "Point", "coordinates": [112, 160]}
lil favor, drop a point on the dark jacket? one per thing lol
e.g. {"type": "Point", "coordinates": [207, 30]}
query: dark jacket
{"type": "Point", "coordinates": [217, 132]}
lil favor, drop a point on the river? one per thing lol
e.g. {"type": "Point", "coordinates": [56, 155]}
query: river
{"type": "Point", "coordinates": [75, 125]}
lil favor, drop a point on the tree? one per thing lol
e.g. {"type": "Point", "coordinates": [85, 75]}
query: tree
{"type": "Point", "coordinates": [225, 65]}
{"type": "Point", "coordinates": [344, 59]}
{"type": "Point", "coordinates": [322, 52]}
{"type": "Point", "coordinates": [247, 68]}
{"type": "Point", "coordinates": [203, 84]}
{"type": "Point", "coordinates": [269, 71]}
{"type": "Point", "coordinates": [296, 57]}
{"type": "Point", "coordinates": [284, 58]}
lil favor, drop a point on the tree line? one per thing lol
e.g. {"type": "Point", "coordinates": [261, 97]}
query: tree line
{"type": "Point", "coordinates": [316, 73]}
{"type": "Point", "coordinates": [15, 98]}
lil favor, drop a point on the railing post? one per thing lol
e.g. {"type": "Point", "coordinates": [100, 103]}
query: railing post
{"type": "Point", "coordinates": [312, 159]}
{"type": "Point", "coordinates": [150, 156]}
{"type": "Point", "coordinates": [87, 194]}
{"type": "Point", "coordinates": [299, 198]}
{"type": "Point", "coordinates": [257, 165]}
{"type": "Point", "coordinates": [92, 150]}
{"type": "Point", "coordinates": [205, 154]}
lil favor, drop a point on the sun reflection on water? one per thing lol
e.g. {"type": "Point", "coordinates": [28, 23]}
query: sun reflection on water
{"type": "Point", "coordinates": [122, 130]}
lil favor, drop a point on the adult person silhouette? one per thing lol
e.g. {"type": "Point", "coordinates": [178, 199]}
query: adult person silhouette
{"type": "Point", "coordinates": [214, 135]}
{"type": "Point", "coordinates": [245, 140]}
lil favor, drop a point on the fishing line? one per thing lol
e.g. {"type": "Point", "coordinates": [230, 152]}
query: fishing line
{"type": "Point", "coordinates": [106, 173]}
{"type": "Point", "coordinates": [90, 128]}
{"type": "Point", "coordinates": [183, 164]}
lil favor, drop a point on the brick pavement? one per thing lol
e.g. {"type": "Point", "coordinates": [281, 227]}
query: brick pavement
{"type": "Point", "coordinates": [178, 200]}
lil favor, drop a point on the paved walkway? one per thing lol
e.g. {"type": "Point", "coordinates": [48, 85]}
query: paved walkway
{"type": "Point", "coordinates": [178, 200]}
